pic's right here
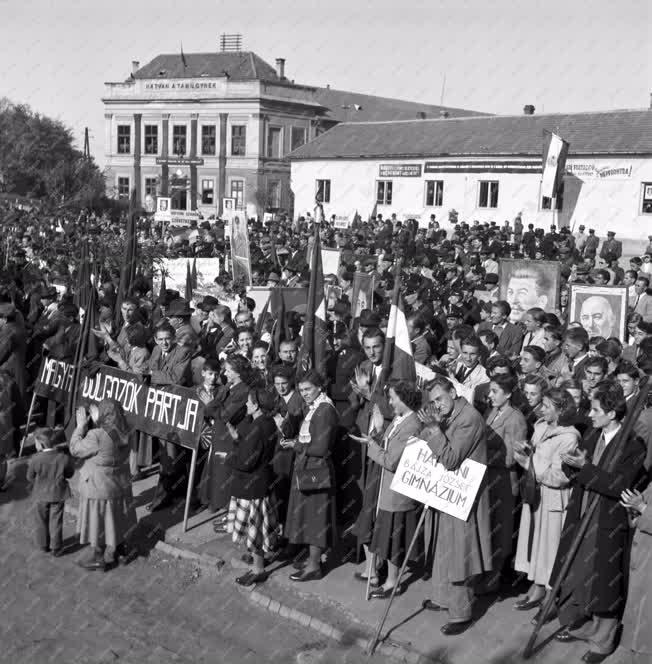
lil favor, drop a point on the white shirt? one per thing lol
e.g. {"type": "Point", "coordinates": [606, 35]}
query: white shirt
{"type": "Point", "coordinates": [608, 437]}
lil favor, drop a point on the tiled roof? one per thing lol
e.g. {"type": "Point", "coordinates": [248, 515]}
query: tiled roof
{"type": "Point", "coordinates": [240, 66]}
{"type": "Point", "coordinates": [609, 133]}
{"type": "Point", "coordinates": [354, 107]}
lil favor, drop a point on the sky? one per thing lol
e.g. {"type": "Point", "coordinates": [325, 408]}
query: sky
{"type": "Point", "coordinates": [494, 56]}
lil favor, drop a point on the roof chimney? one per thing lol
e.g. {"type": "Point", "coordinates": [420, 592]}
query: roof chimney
{"type": "Point", "coordinates": [135, 66]}
{"type": "Point", "coordinates": [528, 109]}
{"type": "Point", "coordinates": [280, 67]}
{"type": "Point", "coordinates": [444, 114]}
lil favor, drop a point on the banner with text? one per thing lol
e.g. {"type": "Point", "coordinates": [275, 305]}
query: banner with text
{"type": "Point", "coordinates": [421, 477]}
{"type": "Point", "coordinates": [173, 413]}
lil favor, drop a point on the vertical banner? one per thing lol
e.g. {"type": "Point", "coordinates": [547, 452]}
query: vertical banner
{"type": "Point", "coordinates": [240, 251]}
{"type": "Point", "coordinates": [555, 150]}
{"type": "Point", "coordinates": [363, 293]}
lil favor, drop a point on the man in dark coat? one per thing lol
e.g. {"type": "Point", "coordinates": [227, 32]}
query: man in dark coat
{"type": "Point", "coordinates": [593, 592]}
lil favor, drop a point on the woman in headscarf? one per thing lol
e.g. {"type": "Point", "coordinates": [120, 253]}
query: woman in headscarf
{"type": "Point", "coordinates": [310, 518]}
{"type": "Point", "coordinates": [107, 515]}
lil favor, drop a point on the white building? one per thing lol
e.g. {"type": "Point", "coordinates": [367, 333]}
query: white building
{"type": "Point", "coordinates": [486, 168]}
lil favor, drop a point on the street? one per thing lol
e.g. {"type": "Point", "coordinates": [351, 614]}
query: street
{"type": "Point", "coordinates": [155, 610]}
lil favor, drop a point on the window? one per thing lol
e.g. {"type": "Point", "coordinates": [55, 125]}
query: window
{"type": "Point", "coordinates": [207, 192]}
{"type": "Point", "coordinates": [434, 193]}
{"type": "Point", "coordinates": [488, 194]}
{"type": "Point", "coordinates": [151, 139]}
{"type": "Point", "coordinates": [559, 201]}
{"type": "Point", "coordinates": [208, 139]}
{"type": "Point", "coordinates": [237, 192]}
{"type": "Point", "coordinates": [323, 194]}
{"type": "Point", "coordinates": [123, 187]}
{"type": "Point", "coordinates": [150, 186]}
{"type": "Point", "coordinates": [274, 194]}
{"type": "Point", "coordinates": [298, 137]}
{"type": "Point", "coordinates": [646, 206]}
{"type": "Point", "coordinates": [384, 192]}
{"type": "Point", "coordinates": [179, 139]}
{"type": "Point", "coordinates": [238, 140]}
{"type": "Point", "coordinates": [124, 139]}
{"type": "Point", "coordinates": [180, 200]}
{"type": "Point", "coordinates": [274, 143]}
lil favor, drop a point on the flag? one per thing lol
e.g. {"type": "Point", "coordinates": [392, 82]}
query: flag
{"type": "Point", "coordinates": [362, 294]}
{"type": "Point", "coordinates": [188, 292]}
{"type": "Point", "coordinates": [240, 261]}
{"type": "Point", "coordinates": [277, 305]}
{"type": "Point", "coordinates": [315, 328]}
{"type": "Point", "coordinates": [398, 361]}
{"type": "Point", "coordinates": [374, 211]}
{"type": "Point", "coordinates": [163, 288]}
{"type": "Point", "coordinates": [194, 273]}
{"type": "Point", "coordinates": [183, 57]}
{"type": "Point", "coordinates": [128, 273]}
{"type": "Point", "coordinates": [555, 150]}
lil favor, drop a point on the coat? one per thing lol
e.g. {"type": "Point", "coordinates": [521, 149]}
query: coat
{"type": "Point", "coordinates": [644, 307]}
{"type": "Point", "coordinates": [13, 349]}
{"type": "Point", "coordinates": [251, 457]}
{"type": "Point", "coordinates": [504, 427]}
{"type": "Point", "coordinates": [540, 530]}
{"type": "Point", "coordinates": [596, 577]}
{"type": "Point", "coordinates": [105, 473]}
{"type": "Point", "coordinates": [509, 340]}
{"type": "Point", "coordinates": [637, 618]}
{"type": "Point", "coordinates": [464, 547]}
{"type": "Point", "coordinates": [310, 515]}
{"type": "Point", "coordinates": [48, 472]}
{"type": "Point", "coordinates": [388, 455]}
{"type": "Point", "coordinates": [172, 370]}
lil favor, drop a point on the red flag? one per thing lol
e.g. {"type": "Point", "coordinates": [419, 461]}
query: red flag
{"type": "Point", "coordinates": [194, 273]}
{"type": "Point", "coordinates": [277, 305]}
{"type": "Point", "coordinates": [188, 292]}
{"type": "Point", "coordinates": [128, 272]}
{"type": "Point", "coordinates": [398, 361]}
{"type": "Point", "coordinates": [315, 329]}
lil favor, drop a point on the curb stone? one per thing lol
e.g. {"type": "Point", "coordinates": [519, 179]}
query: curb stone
{"type": "Point", "coordinates": [204, 560]}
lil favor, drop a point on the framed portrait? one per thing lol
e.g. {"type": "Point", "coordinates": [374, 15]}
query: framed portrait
{"type": "Point", "coordinates": [526, 284]}
{"type": "Point", "coordinates": [601, 310]}
{"type": "Point", "coordinates": [648, 191]}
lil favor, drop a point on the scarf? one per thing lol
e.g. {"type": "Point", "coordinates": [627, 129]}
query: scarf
{"type": "Point", "coordinates": [304, 432]}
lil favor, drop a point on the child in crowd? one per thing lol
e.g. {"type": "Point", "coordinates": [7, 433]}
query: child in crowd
{"type": "Point", "coordinates": [47, 472]}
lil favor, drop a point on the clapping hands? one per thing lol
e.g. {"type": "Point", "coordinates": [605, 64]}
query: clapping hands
{"type": "Point", "coordinates": [633, 501]}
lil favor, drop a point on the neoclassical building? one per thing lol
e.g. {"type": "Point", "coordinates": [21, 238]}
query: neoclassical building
{"type": "Point", "coordinates": [200, 127]}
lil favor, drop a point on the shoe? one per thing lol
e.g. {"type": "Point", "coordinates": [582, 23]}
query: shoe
{"type": "Point", "coordinates": [593, 657]}
{"type": "Point", "coordinates": [93, 565]}
{"type": "Point", "coordinates": [565, 636]}
{"type": "Point", "coordinates": [57, 553]}
{"type": "Point", "coordinates": [361, 577]}
{"type": "Point", "coordinates": [552, 614]}
{"type": "Point", "coordinates": [455, 628]}
{"type": "Point", "coordinates": [302, 575]}
{"type": "Point", "coordinates": [250, 578]}
{"type": "Point", "coordinates": [299, 564]}
{"type": "Point", "coordinates": [526, 604]}
{"type": "Point", "coordinates": [382, 593]}
{"type": "Point", "coordinates": [431, 606]}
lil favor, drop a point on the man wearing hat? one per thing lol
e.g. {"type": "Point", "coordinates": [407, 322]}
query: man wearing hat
{"type": "Point", "coordinates": [591, 244]}
{"type": "Point", "coordinates": [179, 313]}
{"type": "Point", "coordinates": [611, 247]}
{"type": "Point", "coordinates": [491, 286]}
{"type": "Point", "coordinates": [273, 280]}
{"type": "Point", "coordinates": [199, 319]}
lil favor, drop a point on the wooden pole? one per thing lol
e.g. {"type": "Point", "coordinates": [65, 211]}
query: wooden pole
{"type": "Point", "coordinates": [29, 419]}
{"type": "Point", "coordinates": [417, 532]}
{"type": "Point", "coordinates": [632, 417]}
{"type": "Point", "coordinates": [191, 481]}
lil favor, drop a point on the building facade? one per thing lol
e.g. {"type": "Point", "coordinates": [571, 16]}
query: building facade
{"type": "Point", "coordinates": [203, 127]}
{"type": "Point", "coordinates": [485, 168]}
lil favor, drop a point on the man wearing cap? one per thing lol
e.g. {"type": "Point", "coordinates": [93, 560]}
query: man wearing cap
{"type": "Point", "coordinates": [611, 247]}
{"type": "Point", "coordinates": [591, 244]}
{"type": "Point", "coordinates": [580, 239]}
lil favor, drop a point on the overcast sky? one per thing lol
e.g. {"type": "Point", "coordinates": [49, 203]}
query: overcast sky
{"type": "Point", "coordinates": [496, 56]}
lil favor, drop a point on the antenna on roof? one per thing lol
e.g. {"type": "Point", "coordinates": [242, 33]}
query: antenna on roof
{"type": "Point", "coordinates": [443, 89]}
{"type": "Point", "coordinates": [230, 42]}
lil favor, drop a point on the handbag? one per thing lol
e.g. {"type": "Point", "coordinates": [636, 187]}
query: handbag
{"type": "Point", "coordinates": [530, 490]}
{"type": "Point", "coordinates": [315, 478]}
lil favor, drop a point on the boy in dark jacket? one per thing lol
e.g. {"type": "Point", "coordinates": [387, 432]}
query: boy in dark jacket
{"type": "Point", "coordinates": [47, 472]}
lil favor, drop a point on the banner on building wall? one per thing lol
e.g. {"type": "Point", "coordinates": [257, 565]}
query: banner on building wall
{"type": "Point", "coordinates": [240, 262]}
{"type": "Point", "coordinates": [399, 170]}
{"type": "Point", "coordinates": [172, 413]}
{"type": "Point", "coordinates": [591, 171]}
{"type": "Point", "coordinates": [455, 166]}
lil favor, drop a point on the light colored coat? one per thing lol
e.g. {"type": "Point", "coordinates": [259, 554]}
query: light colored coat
{"type": "Point", "coordinates": [389, 458]}
{"type": "Point", "coordinates": [462, 548]}
{"type": "Point", "coordinates": [543, 526]}
{"type": "Point", "coordinates": [637, 619]}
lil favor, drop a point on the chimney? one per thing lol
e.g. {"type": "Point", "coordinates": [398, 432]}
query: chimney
{"type": "Point", "coordinates": [135, 66]}
{"type": "Point", "coordinates": [280, 67]}
{"type": "Point", "coordinates": [444, 114]}
{"type": "Point", "coordinates": [528, 109]}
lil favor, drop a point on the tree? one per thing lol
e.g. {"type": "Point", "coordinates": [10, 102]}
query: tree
{"type": "Point", "coordinates": [38, 160]}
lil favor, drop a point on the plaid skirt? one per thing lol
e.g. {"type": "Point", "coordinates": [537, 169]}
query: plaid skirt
{"type": "Point", "coordinates": [253, 522]}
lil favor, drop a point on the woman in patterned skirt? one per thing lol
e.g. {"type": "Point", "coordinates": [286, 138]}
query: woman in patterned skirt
{"type": "Point", "coordinates": [252, 518]}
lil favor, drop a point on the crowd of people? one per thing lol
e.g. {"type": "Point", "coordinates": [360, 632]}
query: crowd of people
{"type": "Point", "coordinates": [296, 463]}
